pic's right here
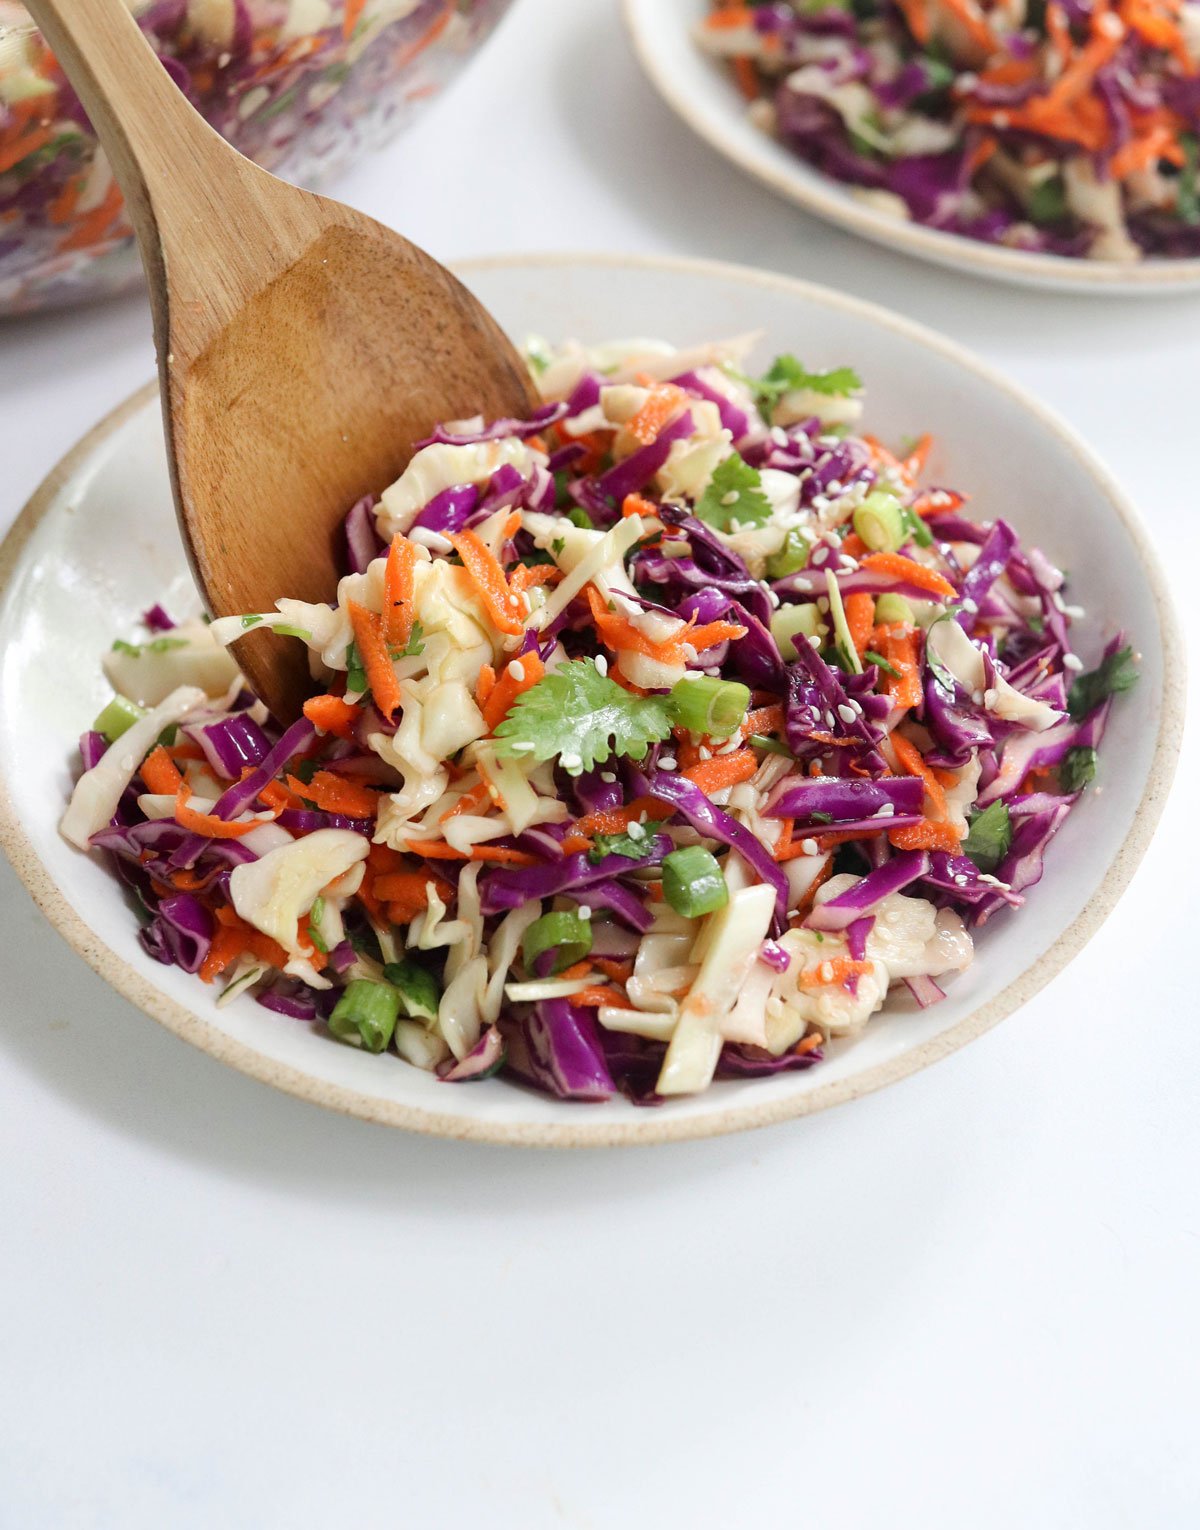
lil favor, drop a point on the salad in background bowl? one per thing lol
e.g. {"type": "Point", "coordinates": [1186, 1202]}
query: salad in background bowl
{"type": "Point", "coordinates": [303, 87]}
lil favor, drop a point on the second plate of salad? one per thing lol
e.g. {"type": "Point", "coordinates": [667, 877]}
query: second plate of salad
{"type": "Point", "coordinates": [1053, 145]}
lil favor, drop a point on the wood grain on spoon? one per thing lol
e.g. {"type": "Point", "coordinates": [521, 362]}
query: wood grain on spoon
{"type": "Point", "coordinates": [303, 348]}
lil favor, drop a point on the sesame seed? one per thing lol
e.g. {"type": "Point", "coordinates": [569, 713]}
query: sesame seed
{"type": "Point", "coordinates": [820, 556]}
{"type": "Point", "coordinates": [731, 498]}
{"type": "Point", "coordinates": [969, 606]}
{"type": "Point", "coordinates": [1076, 613]}
{"type": "Point", "coordinates": [667, 762]}
{"type": "Point", "coordinates": [809, 846]}
{"type": "Point", "coordinates": [1072, 661]}
{"type": "Point", "coordinates": [846, 713]}
{"type": "Point", "coordinates": [517, 670]}
{"type": "Point", "coordinates": [1110, 24]}
{"type": "Point", "coordinates": [608, 776]}
{"type": "Point", "coordinates": [827, 972]}
{"type": "Point", "coordinates": [705, 752]}
{"type": "Point", "coordinates": [636, 831]}
{"type": "Point", "coordinates": [774, 599]}
{"type": "Point", "coordinates": [523, 747]}
{"type": "Point", "coordinates": [887, 810]}
{"type": "Point", "coordinates": [571, 761]}
{"type": "Point", "coordinates": [977, 698]}
{"type": "Point", "coordinates": [514, 600]}
{"type": "Point", "coordinates": [814, 641]}
{"type": "Point", "coordinates": [584, 911]}
{"type": "Point", "coordinates": [846, 561]}
{"type": "Point", "coordinates": [823, 604]}
{"type": "Point", "coordinates": [601, 664]}
{"type": "Point", "coordinates": [990, 698]}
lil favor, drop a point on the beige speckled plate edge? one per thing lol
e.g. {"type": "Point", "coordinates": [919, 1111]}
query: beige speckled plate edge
{"type": "Point", "coordinates": [659, 1125]}
{"type": "Point", "coordinates": [829, 199]}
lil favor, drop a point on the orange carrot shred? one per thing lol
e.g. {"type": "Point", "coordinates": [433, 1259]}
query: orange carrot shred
{"type": "Point", "coordinates": [398, 587]}
{"type": "Point", "coordinates": [907, 571]}
{"type": "Point", "coordinates": [372, 650]}
{"type": "Point", "coordinates": [501, 604]}
{"type": "Point", "coordinates": [332, 714]}
{"type": "Point", "coordinates": [160, 773]}
{"type": "Point", "coordinates": [518, 676]}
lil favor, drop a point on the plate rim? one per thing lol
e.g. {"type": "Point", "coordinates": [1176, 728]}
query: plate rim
{"type": "Point", "coordinates": [1154, 276]}
{"type": "Point", "coordinates": [654, 1127]}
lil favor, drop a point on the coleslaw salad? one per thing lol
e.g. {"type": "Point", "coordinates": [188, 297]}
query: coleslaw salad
{"type": "Point", "coordinates": [660, 735]}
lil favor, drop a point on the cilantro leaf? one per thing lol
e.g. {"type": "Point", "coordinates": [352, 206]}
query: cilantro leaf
{"type": "Point", "coordinates": [580, 716]}
{"type": "Point", "coordinates": [1117, 673]}
{"type": "Point", "coordinates": [356, 674]}
{"type": "Point", "coordinates": [618, 844]}
{"type": "Point", "coordinates": [734, 493]}
{"type": "Point", "coordinates": [1077, 768]}
{"type": "Point", "coordinates": [989, 837]}
{"type": "Point", "coordinates": [787, 375]}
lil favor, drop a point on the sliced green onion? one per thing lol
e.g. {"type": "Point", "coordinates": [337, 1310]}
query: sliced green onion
{"type": "Point", "coordinates": [790, 558]}
{"type": "Point", "coordinates": [693, 883]}
{"type": "Point", "coordinates": [564, 932]}
{"type": "Point", "coordinates": [365, 1015]}
{"type": "Point", "coordinates": [841, 627]}
{"type": "Point", "coordinates": [578, 516]}
{"type": "Point", "coordinates": [790, 622]}
{"type": "Point", "coordinates": [893, 608]}
{"type": "Point", "coordinates": [916, 528]}
{"type": "Point", "coordinates": [879, 521]}
{"type": "Point", "coordinates": [417, 987]}
{"type": "Point", "coordinates": [707, 705]}
{"type": "Point", "coordinates": [117, 716]}
{"type": "Point", "coordinates": [121, 646]}
{"type": "Point", "coordinates": [878, 659]}
{"type": "Point", "coordinates": [770, 745]}
{"type": "Point", "coordinates": [316, 915]}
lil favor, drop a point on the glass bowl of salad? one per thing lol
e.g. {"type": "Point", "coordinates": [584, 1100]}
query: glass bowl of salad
{"type": "Point", "coordinates": [303, 87]}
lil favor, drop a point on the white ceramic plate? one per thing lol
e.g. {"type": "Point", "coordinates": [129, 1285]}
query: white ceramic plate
{"type": "Point", "coordinates": [702, 91]}
{"type": "Point", "coordinates": [98, 544]}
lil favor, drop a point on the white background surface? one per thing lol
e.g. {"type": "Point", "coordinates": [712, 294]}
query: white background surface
{"type": "Point", "coordinates": [969, 1301]}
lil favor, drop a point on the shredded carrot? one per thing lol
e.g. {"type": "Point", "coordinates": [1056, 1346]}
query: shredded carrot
{"type": "Point", "coordinates": [335, 794]}
{"type": "Point", "coordinates": [407, 887]}
{"type": "Point", "coordinates": [205, 824]}
{"type": "Point", "coordinates": [598, 994]}
{"type": "Point", "coordinates": [898, 645]}
{"type": "Point", "coordinates": [764, 720]}
{"type": "Point", "coordinates": [938, 502]}
{"type": "Point", "coordinates": [501, 604]}
{"type": "Point", "coordinates": [274, 795]}
{"type": "Point", "coordinates": [835, 969]}
{"type": "Point", "coordinates": [722, 770]}
{"type": "Point", "coordinates": [784, 843]}
{"type": "Point", "coordinates": [93, 226]}
{"type": "Point", "coordinates": [526, 575]}
{"type": "Point", "coordinates": [574, 844]}
{"type": "Point", "coordinates": [617, 820]}
{"type": "Point", "coordinates": [373, 651]}
{"type": "Point", "coordinates": [916, 14]}
{"type": "Point", "coordinates": [746, 76]}
{"type": "Point", "coordinates": [519, 675]}
{"type": "Point", "coordinates": [160, 774]}
{"type": "Point", "coordinates": [501, 855]}
{"type": "Point", "coordinates": [926, 835]}
{"type": "Point", "coordinates": [398, 587]}
{"type": "Point", "coordinates": [354, 9]}
{"type": "Point", "coordinates": [896, 566]}
{"type": "Point", "coordinates": [620, 633]}
{"type": "Point", "coordinates": [729, 18]}
{"type": "Point", "coordinates": [664, 401]}
{"type": "Point", "coordinates": [484, 686]}
{"type": "Point", "coordinates": [809, 1044]}
{"type": "Point", "coordinates": [981, 153]}
{"type": "Point", "coordinates": [972, 20]}
{"type": "Point", "coordinates": [860, 618]}
{"type": "Point", "coordinates": [476, 798]}
{"type": "Point", "coordinates": [332, 714]}
{"type": "Point", "coordinates": [17, 149]}
{"type": "Point", "coordinates": [853, 546]}
{"type": "Point", "coordinates": [619, 971]}
{"type": "Point", "coordinates": [911, 760]}
{"type": "Point", "coordinates": [637, 504]}
{"type": "Point", "coordinates": [435, 850]}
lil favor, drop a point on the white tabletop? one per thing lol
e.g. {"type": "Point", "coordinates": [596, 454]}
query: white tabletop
{"type": "Point", "coordinates": [967, 1301]}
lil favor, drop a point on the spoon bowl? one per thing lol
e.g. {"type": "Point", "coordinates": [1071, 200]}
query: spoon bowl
{"type": "Point", "coordinates": [303, 348]}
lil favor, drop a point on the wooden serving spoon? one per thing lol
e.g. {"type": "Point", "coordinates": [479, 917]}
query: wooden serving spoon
{"type": "Point", "coordinates": [303, 348]}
